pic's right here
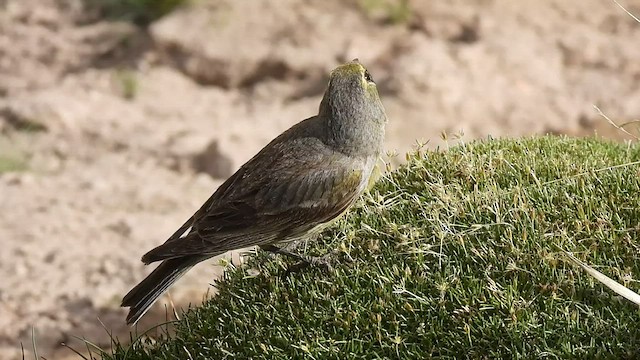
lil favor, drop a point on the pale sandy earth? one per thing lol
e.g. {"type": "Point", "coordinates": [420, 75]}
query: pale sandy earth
{"type": "Point", "coordinates": [126, 131]}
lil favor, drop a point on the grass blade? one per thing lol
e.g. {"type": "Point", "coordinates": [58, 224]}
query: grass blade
{"type": "Point", "coordinates": [607, 281]}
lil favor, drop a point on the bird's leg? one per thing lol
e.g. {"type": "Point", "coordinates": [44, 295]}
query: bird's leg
{"type": "Point", "coordinates": [324, 261]}
{"type": "Point", "coordinates": [277, 250]}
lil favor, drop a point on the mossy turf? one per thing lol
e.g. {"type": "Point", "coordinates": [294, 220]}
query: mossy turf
{"type": "Point", "coordinates": [455, 255]}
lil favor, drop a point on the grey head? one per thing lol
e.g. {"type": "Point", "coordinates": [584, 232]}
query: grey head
{"type": "Point", "coordinates": [354, 115]}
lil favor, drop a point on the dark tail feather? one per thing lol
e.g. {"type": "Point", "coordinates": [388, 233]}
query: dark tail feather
{"type": "Point", "coordinates": [143, 295]}
{"type": "Point", "coordinates": [173, 249]}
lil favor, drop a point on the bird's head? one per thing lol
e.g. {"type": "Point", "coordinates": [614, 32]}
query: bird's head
{"type": "Point", "coordinates": [352, 107]}
{"type": "Point", "coordinates": [350, 85]}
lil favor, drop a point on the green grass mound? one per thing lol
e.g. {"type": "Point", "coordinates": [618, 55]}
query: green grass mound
{"type": "Point", "coordinates": [456, 255]}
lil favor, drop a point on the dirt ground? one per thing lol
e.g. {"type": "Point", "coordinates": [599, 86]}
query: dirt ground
{"type": "Point", "coordinates": [112, 134]}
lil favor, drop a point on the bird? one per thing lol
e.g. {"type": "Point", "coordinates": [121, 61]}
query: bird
{"type": "Point", "coordinates": [300, 182]}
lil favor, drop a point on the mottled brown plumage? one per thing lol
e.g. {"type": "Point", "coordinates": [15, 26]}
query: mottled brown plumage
{"type": "Point", "coordinates": [301, 180]}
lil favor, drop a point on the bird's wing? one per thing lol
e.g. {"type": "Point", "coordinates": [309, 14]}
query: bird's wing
{"type": "Point", "coordinates": [263, 206]}
{"type": "Point", "coordinates": [280, 208]}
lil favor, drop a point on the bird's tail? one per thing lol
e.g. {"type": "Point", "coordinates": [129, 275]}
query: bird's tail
{"type": "Point", "coordinates": [143, 295]}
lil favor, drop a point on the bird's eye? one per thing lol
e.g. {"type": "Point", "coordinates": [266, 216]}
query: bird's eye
{"type": "Point", "coordinates": [367, 76]}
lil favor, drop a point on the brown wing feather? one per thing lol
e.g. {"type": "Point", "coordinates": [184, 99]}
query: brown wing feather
{"type": "Point", "coordinates": [276, 212]}
{"type": "Point", "coordinates": [275, 195]}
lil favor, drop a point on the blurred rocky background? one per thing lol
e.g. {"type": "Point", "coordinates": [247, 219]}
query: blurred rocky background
{"type": "Point", "coordinates": [118, 118]}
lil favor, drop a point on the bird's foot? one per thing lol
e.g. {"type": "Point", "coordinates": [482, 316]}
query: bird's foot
{"type": "Point", "coordinates": [325, 262]}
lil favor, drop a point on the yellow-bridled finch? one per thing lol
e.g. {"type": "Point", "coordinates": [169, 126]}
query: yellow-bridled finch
{"type": "Point", "coordinates": [299, 182]}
